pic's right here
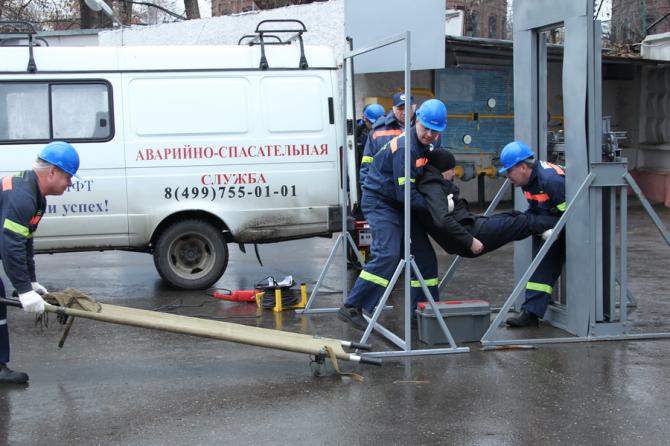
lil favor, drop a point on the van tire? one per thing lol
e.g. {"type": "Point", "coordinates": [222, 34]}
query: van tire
{"type": "Point", "coordinates": [191, 255]}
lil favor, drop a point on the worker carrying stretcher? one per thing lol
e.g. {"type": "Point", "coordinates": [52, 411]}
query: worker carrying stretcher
{"type": "Point", "coordinates": [22, 206]}
{"type": "Point", "coordinates": [382, 204]}
{"type": "Point", "coordinates": [458, 231]}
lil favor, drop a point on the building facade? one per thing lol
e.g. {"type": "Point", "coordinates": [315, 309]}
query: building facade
{"type": "Point", "coordinates": [483, 18]}
{"type": "Point", "coordinates": [632, 18]}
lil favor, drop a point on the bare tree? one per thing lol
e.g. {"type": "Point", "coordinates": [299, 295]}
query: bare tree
{"type": "Point", "coordinates": [44, 14]}
{"type": "Point", "coordinates": [192, 9]}
{"type": "Point", "coordinates": [124, 11]}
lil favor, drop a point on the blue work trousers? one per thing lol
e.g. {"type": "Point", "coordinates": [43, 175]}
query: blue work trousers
{"type": "Point", "coordinates": [541, 284]}
{"type": "Point", "coordinates": [4, 330]}
{"type": "Point", "coordinates": [387, 228]}
{"type": "Point", "coordinates": [500, 229]}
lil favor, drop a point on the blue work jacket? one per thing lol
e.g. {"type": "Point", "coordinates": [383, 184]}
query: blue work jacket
{"type": "Point", "coordinates": [386, 177]}
{"type": "Point", "coordinates": [545, 191]}
{"type": "Point", "coordinates": [21, 209]}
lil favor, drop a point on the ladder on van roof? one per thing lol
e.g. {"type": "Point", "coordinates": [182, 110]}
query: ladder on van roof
{"type": "Point", "coordinates": [30, 32]}
{"type": "Point", "coordinates": [264, 30]}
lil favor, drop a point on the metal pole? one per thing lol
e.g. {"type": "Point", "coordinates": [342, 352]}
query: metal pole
{"type": "Point", "coordinates": [647, 207]}
{"type": "Point", "coordinates": [345, 178]}
{"type": "Point", "coordinates": [408, 183]}
{"type": "Point", "coordinates": [623, 253]}
{"type": "Point", "coordinates": [322, 275]}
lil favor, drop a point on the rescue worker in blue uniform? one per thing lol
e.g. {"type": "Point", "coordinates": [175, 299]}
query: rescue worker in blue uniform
{"type": "Point", "coordinates": [371, 113]}
{"type": "Point", "coordinates": [382, 204]}
{"type": "Point", "coordinates": [383, 130]}
{"type": "Point", "coordinates": [457, 230]}
{"type": "Point", "coordinates": [22, 206]}
{"type": "Point", "coordinates": [543, 185]}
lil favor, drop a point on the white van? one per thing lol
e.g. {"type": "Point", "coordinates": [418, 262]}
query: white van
{"type": "Point", "coordinates": [183, 149]}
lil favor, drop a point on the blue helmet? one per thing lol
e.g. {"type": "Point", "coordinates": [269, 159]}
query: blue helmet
{"type": "Point", "coordinates": [372, 112]}
{"type": "Point", "coordinates": [433, 115]}
{"type": "Point", "coordinates": [62, 155]}
{"type": "Point", "coordinates": [513, 153]}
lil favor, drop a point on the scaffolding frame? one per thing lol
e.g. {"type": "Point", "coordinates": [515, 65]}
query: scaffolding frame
{"type": "Point", "coordinates": [407, 263]}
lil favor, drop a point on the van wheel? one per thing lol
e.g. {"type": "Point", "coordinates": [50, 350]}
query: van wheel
{"type": "Point", "coordinates": [191, 255]}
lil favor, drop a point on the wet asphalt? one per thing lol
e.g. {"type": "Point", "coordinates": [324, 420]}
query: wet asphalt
{"type": "Point", "coordinates": [112, 384]}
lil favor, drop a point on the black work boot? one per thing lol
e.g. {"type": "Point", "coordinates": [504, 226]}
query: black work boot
{"type": "Point", "coordinates": [525, 319]}
{"type": "Point", "coordinates": [353, 316]}
{"type": "Point", "coordinates": [9, 376]}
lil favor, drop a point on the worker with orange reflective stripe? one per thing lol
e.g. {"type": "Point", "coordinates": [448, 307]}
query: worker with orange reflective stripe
{"type": "Point", "coordinates": [22, 205]}
{"type": "Point", "coordinates": [543, 185]}
{"type": "Point", "coordinates": [383, 130]}
{"type": "Point", "coordinates": [382, 204]}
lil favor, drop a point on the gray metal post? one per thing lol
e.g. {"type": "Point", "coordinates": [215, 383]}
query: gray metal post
{"type": "Point", "coordinates": [408, 186]}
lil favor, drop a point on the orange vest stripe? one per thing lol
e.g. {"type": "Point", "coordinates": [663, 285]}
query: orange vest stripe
{"type": "Point", "coordinates": [6, 183]}
{"type": "Point", "coordinates": [557, 169]}
{"type": "Point", "coordinates": [380, 133]}
{"type": "Point", "coordinates": [420, 162]}
{"type": "Point", "coordinates": [537, 197]}
{"type": "Point", "coordinates": [394, 145]}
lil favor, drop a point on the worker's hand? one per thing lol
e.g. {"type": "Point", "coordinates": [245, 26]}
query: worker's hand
{"type": "Point", "coordinates": [39, 289]}
{"type": "Point", "coordinates": [32, 302]}
{"type": "Point", "coordinates": [546, 234]}
{"type": "Point", "coordinates": [450, 202]}
{"type": "Point", "coordinates": [476, 247]}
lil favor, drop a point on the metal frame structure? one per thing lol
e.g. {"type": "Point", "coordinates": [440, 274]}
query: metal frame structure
{"type": "Point", "coordinates": [407, 263]}
{"type": "Point", "coordinates": [592, 308]}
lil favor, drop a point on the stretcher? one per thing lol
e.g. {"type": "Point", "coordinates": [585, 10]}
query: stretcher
{"type": "Point", "coordinates": [71, 303]}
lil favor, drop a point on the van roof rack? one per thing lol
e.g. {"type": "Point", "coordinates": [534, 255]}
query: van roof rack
{"type": "Point", "coordinates": [265, 30]}
{"type": "Point", "coordinates": [30, 32]}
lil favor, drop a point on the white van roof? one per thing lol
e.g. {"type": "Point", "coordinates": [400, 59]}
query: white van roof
{"type": "Point", "coordinates": [132, 58]}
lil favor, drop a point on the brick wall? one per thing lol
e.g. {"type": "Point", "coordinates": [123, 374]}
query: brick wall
{"type": "Point", "coordinates": [630, 19]}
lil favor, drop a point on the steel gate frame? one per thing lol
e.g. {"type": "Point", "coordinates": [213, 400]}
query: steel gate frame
{"type": "Point", "coordinates": [589, 220]}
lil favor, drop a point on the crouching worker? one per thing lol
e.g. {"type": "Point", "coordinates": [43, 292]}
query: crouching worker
{"type": "Point", "coordinates": [22, 205]}
{"type": "Point", "coordinates": [458, 231]}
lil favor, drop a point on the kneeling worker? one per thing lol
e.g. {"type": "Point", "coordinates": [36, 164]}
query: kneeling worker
{"type": "Point", "coordinates": [22, 206]}
{"type": "Point", "coordinates": [460, 232]}
{"type": "Point", "coordinates": [543, 185]}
